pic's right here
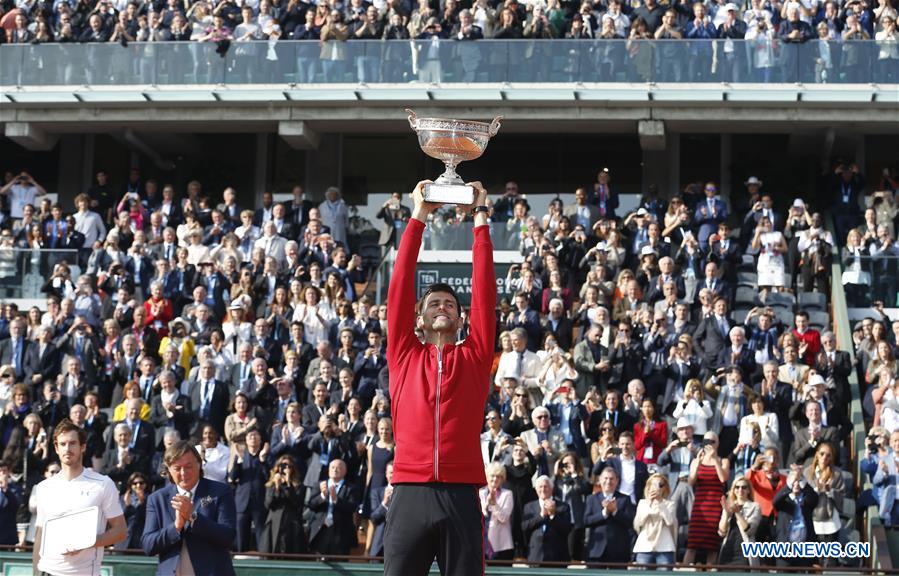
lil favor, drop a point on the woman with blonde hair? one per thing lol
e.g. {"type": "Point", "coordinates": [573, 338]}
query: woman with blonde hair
{"type": "Point", "coordinates": [497, 505]}
{"type": "Point", "coordinates": [656, 524]}
{"type": "Point", "coordinates": [740, 518]}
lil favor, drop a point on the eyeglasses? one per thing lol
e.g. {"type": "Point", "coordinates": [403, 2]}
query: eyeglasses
{"type": "Point", "coordinates": [521, 395]}
{"type": "Point", "coordinates": [541, 417]}
{"type": "Point", "coordinates": [7, 375]}
{"type": "Point", "coordinates": [138, 483]}
{"type": "Point", "coordinates": [491, 418]}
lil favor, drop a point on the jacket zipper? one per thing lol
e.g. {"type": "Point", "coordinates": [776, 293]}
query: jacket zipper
{"type": "Point", "coordinates": [437, 416]}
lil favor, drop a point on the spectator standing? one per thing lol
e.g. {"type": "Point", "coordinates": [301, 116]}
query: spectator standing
{"type": "Point", "coordinates": [497, 506]}
{"type": "Point", "coordinates": [655, 523]}
{"type": "Point", "coordinates": [740, 518]}
{"type": "Point", "coordinates": [546, 523]}
{"type": "Point", "coordinates": [334, 215]}
{"type": "Point", "coordinates": [708, 475]}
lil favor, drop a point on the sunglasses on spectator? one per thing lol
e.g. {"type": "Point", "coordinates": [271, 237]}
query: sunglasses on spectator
{"type": "Point", "coordinates": [711, 189]}
{"type": "Point", "coordinates": [138, 483]}
{"type": "Point", "coordinates": [521, 395]}
{"type": "Point", "coordinates": [607, 429]}
{"type": "Point", "coordinates": [541, 417]}
{"type": "Point", "coordinates": [491, 418]}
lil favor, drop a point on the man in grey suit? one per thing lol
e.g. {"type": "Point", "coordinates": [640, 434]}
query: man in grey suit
{"type": "Point", "coordinates": [272, 243]}
{"type": "Point", "coordinates": [581, 212]}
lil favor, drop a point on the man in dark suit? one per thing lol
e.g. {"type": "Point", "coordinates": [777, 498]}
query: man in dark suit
{"type": "Point", "coordinates": [718, 286]}
{"type": "Point", "coordinates": [314, 410]}
{"type": "Point", "coordinates": [262, 339]}
{"type": "Point", "coordinates": [794, 499]}
{"type": "Point", "coordinates": [45, 360]}
{"type": "Point", "coordinates": [170, 409]}
{"type": "Point", "coordinates": [242, 370]}
{"type": "Point", "coordinates": [557, 323]}
{"type": "Point", "coordinates": [216, 285]}
{"type": "Point", "coordinates": [395, 215]}
{"type": "Point", "coordinates": [140, 269]}
{"type": "Point", "coordinates": [724, 251]}
{"type": "Point", "coordinates": [737, 352]}
{"type": "Point", "coordinates": [10, 496]}
{"type": "Point", "coordinates": [79, 341]}
{"type": "Point", "coordinates": [367, 366]}
{"type": "Point", "coordinates": [709, 212]}
{"type": "Point", "coordinates": [846, 185]}
{"type": "Point", "coordinates": [283, 225]}
{"type": "Point", "coordinates": [713, 332]}
{"type": "Point", "coordinates": [546, 523]}
{"type": "Point", "coordinates": [122, 460]}
{"type": "Point", "coordinates": [524, 317]}
{"type": "Point", "coordinates": [16, 351]}
{"type": "Point", "coordinates": [191, 514]}
{"type": "Point", "coordinates": [778, 398]}
{"type": "Point", "coordinates": [808, 438]}
{"type": "Point", "coordinates": [380, 501]}
{"type": "Point", "coordinates": [143, 435]}
{"type": "Point", "coordinates": [836, 365]}
{"type": "Point", "coordinates": [627, 459]}
{"type": "Point", "coordinates": [248, 474]}
{"type": "Point", "coordinates": [264, 213]}
{"type": "Point", "coordinates": [328, 444]}
{"type": "Point", "coordinates": [332, 530]}
{"type": "Point", "coordinates": [209, 399]}
{"type": "Point", "coordinates": [609, 515]}
{"type": "Point", "coordinates": [298, 208]}
{"type": "Point", "coordinates": [832, 414]}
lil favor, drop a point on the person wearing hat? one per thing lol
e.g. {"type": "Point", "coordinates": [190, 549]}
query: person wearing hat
{"type": "Point", "coordinates": [793, 32]}
{"type": "Point", "coordinates": [636, 229]}
{"type": "Point", "coordinates": [217, 287]}
{"type": "Point", "coordinates": [816, 388]}
{"type": "Point", "coordinates": [733, 28]}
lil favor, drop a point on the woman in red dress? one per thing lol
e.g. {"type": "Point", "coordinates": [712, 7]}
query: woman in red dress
{"type": "Point", "coordinates": [708, 475]}
{"type": "Point", "coordinates": [159, 310]}
{"type": "Point", "coordinates": [650, 434]}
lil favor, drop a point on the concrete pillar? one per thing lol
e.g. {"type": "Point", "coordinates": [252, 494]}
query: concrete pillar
{"type": "Point", "coordinates": [726, 153]}
{"type": "Point", "coordinates": [673, 149]}
{"type": "Point", "coordinates": [72, 168]}
{"type": "Point", "coordinates": [260, 167]}
{"type": "Point", "coordinates": [298, 135]}
{"type": "Point", "coordinates": [654, 155]}
{"type": "Point", "coordinates": [324, 166]}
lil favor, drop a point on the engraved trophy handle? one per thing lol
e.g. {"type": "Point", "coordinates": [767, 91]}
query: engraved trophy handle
{"type": "Point", "coordinates": [494, 126]}
{"type": "Point", "coordinates": [413, 119]}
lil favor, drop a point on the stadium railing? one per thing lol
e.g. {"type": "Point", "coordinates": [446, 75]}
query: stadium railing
{"type": "Point", "coordinates": [447, 61]}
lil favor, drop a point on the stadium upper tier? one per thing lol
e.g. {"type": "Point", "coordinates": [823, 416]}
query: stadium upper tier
{"type": "Point", "coordinates": [448, 61]}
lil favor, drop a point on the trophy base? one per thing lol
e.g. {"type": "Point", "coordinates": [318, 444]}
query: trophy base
{"type": "Point", "coordinates": [449, 194]}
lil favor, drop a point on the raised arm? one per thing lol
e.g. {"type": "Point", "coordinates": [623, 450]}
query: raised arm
{"type": "Point", "coordinates": [483, 297]}
{"type": "Point", "coordinates": [401, 291]}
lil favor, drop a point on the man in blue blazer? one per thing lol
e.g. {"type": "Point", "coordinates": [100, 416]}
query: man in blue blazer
{"type": "Point", "coordinates": [626, 458]}
{"type": "Point", "coordinates": [609, 516]}
{"type": "Point", "coordinates": [709, 213]}
{"type": "Point", "coordinates": [192, 520]}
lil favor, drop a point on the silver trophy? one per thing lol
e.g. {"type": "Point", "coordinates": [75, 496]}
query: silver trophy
{"type": "Point", "coordinates": [451, 141]}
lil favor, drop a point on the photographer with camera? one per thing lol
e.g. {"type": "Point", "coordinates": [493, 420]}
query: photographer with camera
{"type": "Point", "coordinates": [22, 190]}
{"type": "Point", "coordinates": [572, 487]}
{"type": "Point", "coordinates": [284, 496]}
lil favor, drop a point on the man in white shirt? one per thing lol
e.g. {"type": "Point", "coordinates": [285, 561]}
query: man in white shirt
{"type": "Point", "coordinates": [523, 364]}
{"type": "Point", "coordinates": [76, 488]}
{"type": "Point", "coordinates": [22, 190]}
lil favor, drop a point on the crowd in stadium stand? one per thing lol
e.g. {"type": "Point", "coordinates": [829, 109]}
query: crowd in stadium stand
{"type": "Point", "coordinates": [772, 29]}
{"type": "Point", "coordinates": [660, 378]}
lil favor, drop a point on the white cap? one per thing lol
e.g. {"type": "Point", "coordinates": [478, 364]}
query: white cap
{"type": "Point", "coordinates": [731, 6]}
{"type": "Point", "coordinates": [752, 181]}
{"type": "Point", "coordinates": [647, 251]}
{"type": "Point", "coordinates": [683, 423]}
{"type": "Point", "coordinates": [798, 203]}
{"type": "Point", "coordinates": [816, 379]}
{"type": "Point", "coordinates": [642, 212]}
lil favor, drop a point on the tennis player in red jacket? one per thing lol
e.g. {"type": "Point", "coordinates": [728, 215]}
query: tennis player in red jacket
{"type": "Point", "coordinates": [438, 389]}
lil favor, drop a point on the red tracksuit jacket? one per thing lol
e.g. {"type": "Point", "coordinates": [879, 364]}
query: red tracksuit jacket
{"type": "Point", "coordinates": [438, 396]}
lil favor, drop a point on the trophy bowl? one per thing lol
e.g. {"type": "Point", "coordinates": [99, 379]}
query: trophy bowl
{"type": "Point", "coordinates": [452, 142]}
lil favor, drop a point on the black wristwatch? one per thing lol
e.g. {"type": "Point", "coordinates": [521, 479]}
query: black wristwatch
{"type": "Point", "coordinates": [483, 209]}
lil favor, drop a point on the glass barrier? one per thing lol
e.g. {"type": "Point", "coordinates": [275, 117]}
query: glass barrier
{"type": "Point", "coordinates": [25, 273]}
{"type": "Point", "coordinates": [868, 279]}
{"type": "Point", "coordinates": [763, 59]}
